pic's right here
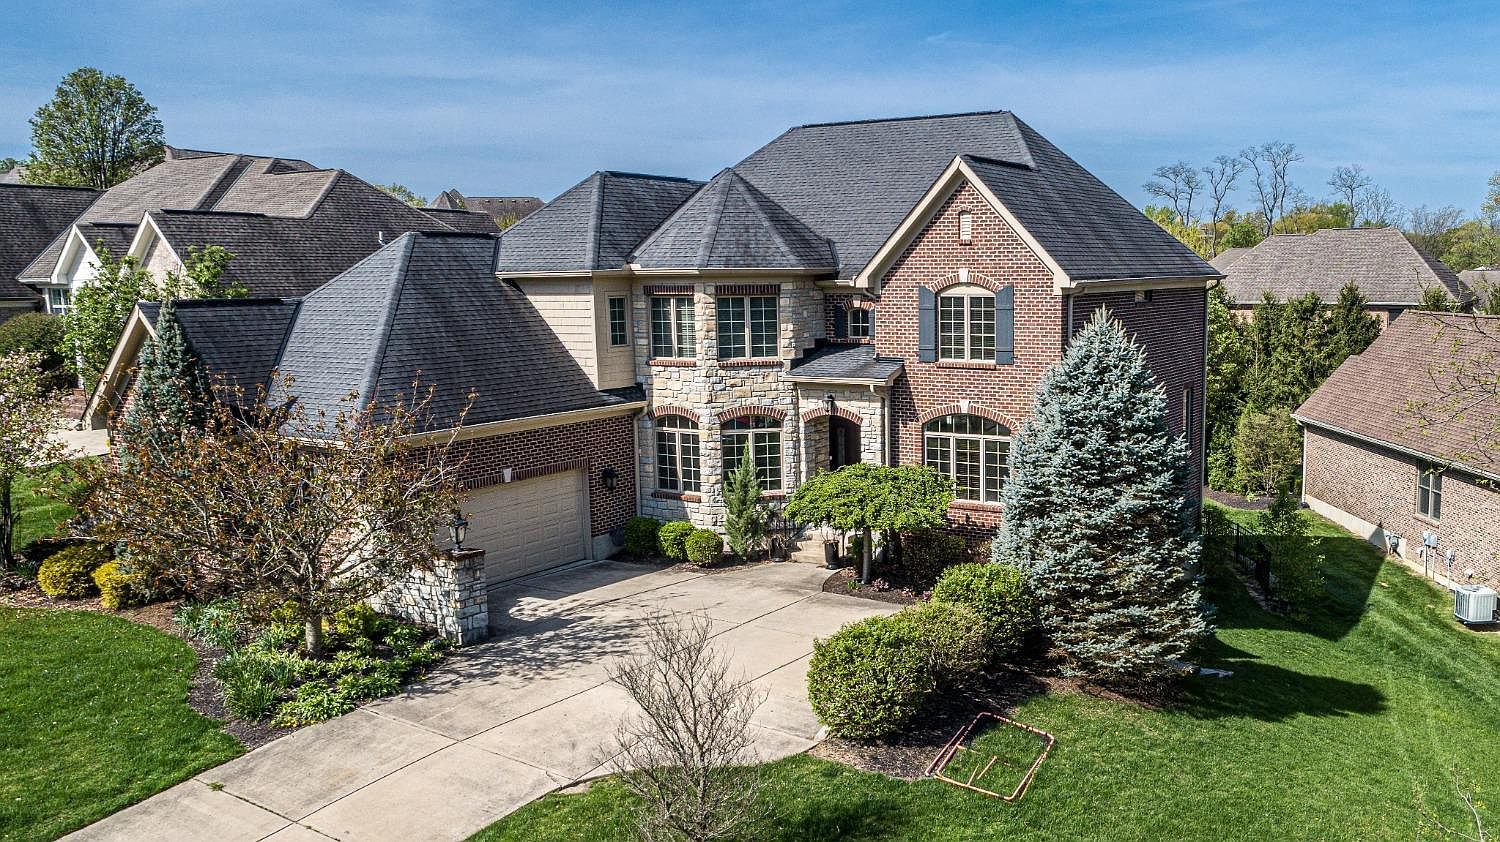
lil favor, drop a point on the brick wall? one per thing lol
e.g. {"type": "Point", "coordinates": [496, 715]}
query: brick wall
{"type": "Point", "coordinates": [592, 445]}
{"type": "Point", "coordinates": [1379, 487]}
{"type": "Point", "coordinates": [995, 257]}
{"type": "Point", "coordinates": [1171, 327]}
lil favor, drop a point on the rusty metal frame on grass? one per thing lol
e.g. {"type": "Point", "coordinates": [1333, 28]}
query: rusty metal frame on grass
{"type": "Point", "coordinates": [955, 745]}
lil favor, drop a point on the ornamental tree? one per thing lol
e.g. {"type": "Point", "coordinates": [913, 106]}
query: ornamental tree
{"type": "Point", "coordinates": [277, 505]}
{"type": "Point", "coordinates": [873, 498]}
{"type": "Point", "coordinates": [1095, 514]}
{"type": "Point", "coordinates": [29, 412]}
{"type": "Point", "coordinates": [744, 514]}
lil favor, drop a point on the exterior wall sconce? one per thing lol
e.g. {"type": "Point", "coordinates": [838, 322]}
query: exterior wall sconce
{"type": "Point", "coordinates": [610, 477]}
{"type": "Point", "coordinates": [828, 405]}
{"type": "Point", "coordinates": [458, 530]}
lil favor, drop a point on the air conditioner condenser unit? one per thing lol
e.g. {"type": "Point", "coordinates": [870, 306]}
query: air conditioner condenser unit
{"type": "Point", "coordinates": [1473, 604]}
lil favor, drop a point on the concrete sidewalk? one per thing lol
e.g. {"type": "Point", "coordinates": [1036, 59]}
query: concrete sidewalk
{"type": "Point", "coordinates": [505, 722]}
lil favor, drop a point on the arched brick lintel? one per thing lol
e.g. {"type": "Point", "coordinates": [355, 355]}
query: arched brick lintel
{"type": "Point", "coordinates": [748, 411]}
{"type": "Point", "coordinates": [661, 411]}
{"type": "Point", "coordinates": [970, 408]}
{"type": "Point", "coordinates": [842, 412]}
{"type": "Point", "coordinates": [953, 280]}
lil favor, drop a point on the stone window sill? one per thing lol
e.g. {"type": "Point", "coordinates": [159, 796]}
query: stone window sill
{"type": "Point", "coordinates": [976, 506]}
{"type": "Point", "coordinates": [772, 495]}
{"type": "Point", "coordinates": [1424, 519]}
{"type": "Point", "coordinates": [972, 364]}
{"type": "Point", "coordinates": [684, 496]}
{"type": "Point", "coordinates": [750, 362]}
{"type": "Point", "coordinates": [671, 362]}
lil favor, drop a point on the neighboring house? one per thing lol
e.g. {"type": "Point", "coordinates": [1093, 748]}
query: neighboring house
{"type": "Point", "coordinates": [888, 291]}
{"type": "Point", "coordinates": [1482, 283]}
{"type": "Point", "coordinates": [1370, 466]}
{"type": "Point", "coordinates": [1390, 272]}
{"type": "Point", "coordinates": [30, 218]}
{"type": "Point", "coordinates": [290, 225]}
{"type": "Point", "coordinates": [548, 459]}
{"type": "Point", "coordinates": [505, 210]}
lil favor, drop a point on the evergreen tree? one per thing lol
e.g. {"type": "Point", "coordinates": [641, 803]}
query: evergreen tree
{"type": "Point", "coordinates": [1095, 514]}
{"type": "Point", "coordinates": [1350, 328]}
{"type": "Point", "coordinates": [744, 517]}
{"type": "Point", "coordinates": [170, 390]}
{"type": "Point", "coordinates": [1229, 359]}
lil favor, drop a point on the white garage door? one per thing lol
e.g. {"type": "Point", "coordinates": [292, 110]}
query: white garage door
{"type": "Point", "coordinates": [529, 525]}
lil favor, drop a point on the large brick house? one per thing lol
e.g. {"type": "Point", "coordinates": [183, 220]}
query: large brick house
{"type": "Point", "coordinates": [886, 291]}
{"type": "Point", "coordinates": [1395, 449]}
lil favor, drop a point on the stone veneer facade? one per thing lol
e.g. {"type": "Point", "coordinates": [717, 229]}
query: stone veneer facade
{"type": "Point", "coordinates": [451, 597]}
{"type": "Point", "coordinates": [1372, 491]}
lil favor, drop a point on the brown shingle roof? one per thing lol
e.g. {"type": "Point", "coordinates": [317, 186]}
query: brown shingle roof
{"type": "Point", "coordinates": [1385, 265]}
{"type": "Point", "coordinates": [1412, 371]}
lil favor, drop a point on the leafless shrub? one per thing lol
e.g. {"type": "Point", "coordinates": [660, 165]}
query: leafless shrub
{"type": "Point", "coordinates": [1468, 795]}
{"type": "Point", "coordinates": [689, 746]}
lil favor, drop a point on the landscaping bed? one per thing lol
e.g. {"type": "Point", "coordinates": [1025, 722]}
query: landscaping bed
{"type": "Point", "coordinates": [845, 581]}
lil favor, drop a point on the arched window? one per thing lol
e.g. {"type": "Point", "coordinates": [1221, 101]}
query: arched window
{"type": "Point", "coordinates": [861, 323]}
{"type": "Point", "coordinates": [966, 323]}
{"type": "Point", "coordinates": [972, 451]}
{"type": "Point", "coordinates": [758, 438]}
{"type": "Point", "coordinates": [677, 454]}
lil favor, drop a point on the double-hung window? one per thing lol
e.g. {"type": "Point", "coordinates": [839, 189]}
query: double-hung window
{"type": "Point", "coordinates": [58, 301]}
{"type": "Point", "coordinates": [677, 466]}
{"type": "Point", "coordinates": [1429, 493]}
{"type": "Point", "coordinates": [758, 438]}
{"type": "Point", "coordinates": [972, 451]}
{"type": "Point", "coordinates": [861, 324]}
{"type": "Point", "coordinates": [619, 330]}
{"type": "Point", "coordinates": [672, 333]}
{"type": "Point", "coordinates": [966, 324]}
{"type": "Point", "coordinates": [748, 326]}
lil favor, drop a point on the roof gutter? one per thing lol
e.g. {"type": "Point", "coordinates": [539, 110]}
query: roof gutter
{"type": "Point", "coordinates": [529, 422]}
{"type": "Point", "coordinates": [1461, 466]}
{"type": "Point", "coordinates": [859, 381]}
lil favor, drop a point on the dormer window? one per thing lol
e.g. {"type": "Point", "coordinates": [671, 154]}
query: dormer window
{"type": "Point", "coordinates": [965, 227]}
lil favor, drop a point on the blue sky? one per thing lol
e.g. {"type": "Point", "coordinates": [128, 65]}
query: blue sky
{"type": "Point", "coordinates": [528, 98]}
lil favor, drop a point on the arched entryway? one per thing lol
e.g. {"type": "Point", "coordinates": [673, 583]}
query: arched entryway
{"type": "Point", "coordinates": [843, 442]}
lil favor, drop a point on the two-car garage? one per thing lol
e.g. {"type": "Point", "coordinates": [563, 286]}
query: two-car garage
{"type": "Point", "coordinates": [529, 525]}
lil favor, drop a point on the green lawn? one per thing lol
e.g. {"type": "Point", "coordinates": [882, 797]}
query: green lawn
{"type": "Point", "coordinates": [37, 515]}
{"type": "Point", "coordinates": [1326, 731]}
{"type": "Point", "coordinates": [93, 717]}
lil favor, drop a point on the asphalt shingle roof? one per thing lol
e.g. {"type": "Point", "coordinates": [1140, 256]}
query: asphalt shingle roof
{"type": "Point", "coordinates": [30, 218]}
{"type": "Point", "coordinates": [237, 339]}
{"type": "Point", "coordinates": [730, 224]}
{"type": "Point", "coordinates": [1385, 265]}
{"type": "Point", "coordinates": [595, 224]}
{"type": "Point", "coordinates": [1369, 395]}
{"type": "Point", "coordinates": [497, 207]}
{"type": "Point", "coordinates": [427, 308]}
{"type": "Point", "coordinates": [846, 362]}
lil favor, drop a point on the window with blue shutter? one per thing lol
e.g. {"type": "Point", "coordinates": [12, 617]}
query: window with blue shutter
{"type": "Point", "coordinates": [1005, 325]}
{"type": "Point", "coordinates": [926, 325]}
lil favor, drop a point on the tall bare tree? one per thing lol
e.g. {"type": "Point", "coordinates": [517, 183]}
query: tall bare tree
{"type": "Point", "coordinates": [689, 748]}
{"type": "Point", "coordinates": [1222, 176]}
{"type": "Point", "coordinates": [1179, 184]}
{"type": "Point", "coordinates": [1270, 165]}
{"type": "Point", "coordinates": [29, 413]}
{"type": "Point", "coordinates": [1350, 185]}
{"type": "Point", "coordinates": [1380, 209]}
{"type": "Point", "coordinates": [274, 503]}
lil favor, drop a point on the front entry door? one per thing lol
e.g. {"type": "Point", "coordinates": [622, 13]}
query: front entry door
{"type": "Point", "coordinates": [843, 442]}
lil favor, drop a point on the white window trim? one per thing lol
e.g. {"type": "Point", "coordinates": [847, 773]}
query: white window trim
{"type": "Point", "coordinates": [984, 460]}
{"type": "Point", "coordinates": [747, 331]}
{"type": "Point", "coordinates": [624, 320]}
{"type": "Point", "coordinates": [1434, 491]}
{"type": "Point", "coordinates": [679, 432]}
{"type": "Point", "coordinates": [754, 438]}
{"type": "Point", "coordinates": [967, 292]}
{"type": "Point", "coordinates": [675, 314]}
{"type": "Point", "coordinates": [867, 331]}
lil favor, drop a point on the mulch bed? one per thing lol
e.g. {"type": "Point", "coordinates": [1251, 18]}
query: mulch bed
{"type": "Point", "coordinates": [203, 691]}
{"type": "Point", "coordinates": [1237, 501]}
{"type": "Point", "coordinates": [846, 581]}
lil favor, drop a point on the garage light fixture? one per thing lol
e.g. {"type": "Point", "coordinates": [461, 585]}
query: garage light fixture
{"type": "Point", "coordinates": [458, 530]}
{"type": "Point", "coordinates": [611, 478]}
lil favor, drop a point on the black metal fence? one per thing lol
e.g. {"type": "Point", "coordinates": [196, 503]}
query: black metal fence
{"type": "Point", "coordinates": [1228, 543]}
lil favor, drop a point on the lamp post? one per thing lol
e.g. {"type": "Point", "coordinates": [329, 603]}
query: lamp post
{"type": "Point", "coordinates": [458, 529]}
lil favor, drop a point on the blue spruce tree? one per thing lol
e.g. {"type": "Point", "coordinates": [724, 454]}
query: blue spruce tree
{"type": "Point", "coordinates": [170, 392]}
{"type": "Point", "coordinates": [1096, 517]}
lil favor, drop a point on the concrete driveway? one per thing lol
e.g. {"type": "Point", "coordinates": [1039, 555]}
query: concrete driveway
{"type": "Point", "coordinates": [505, 722]}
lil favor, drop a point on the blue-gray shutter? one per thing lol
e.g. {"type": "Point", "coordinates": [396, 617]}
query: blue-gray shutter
{"type": "Point", "coordinates": [926, 325]}
{"type": "Point", "coordinates": [1005, 325]}
{"type": "Point", "coordinates": [840, 322]}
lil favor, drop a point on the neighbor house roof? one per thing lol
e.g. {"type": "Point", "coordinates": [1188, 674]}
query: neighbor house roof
{"type": "Point", "coordinates": [31, 216]}
{"type": "Point", "coordinates": [1384, 264]}
{"type": "Point", "coordinates": [851, 185]}
{"type": "Point", "coordinates": [425, 309]}
{"type": "Point", "coordinates": [274, 214]}
{"type": "Point", "coordinates": [496, 207]}
{"type": "Point", "coordinates": [1226, 258]}
{"type": "Point", "coordinates": [730, 224]}
{"type": "Point", "coordinates": [595, 224]}
{"type": "Point", "coordinates": [1416, 362]}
